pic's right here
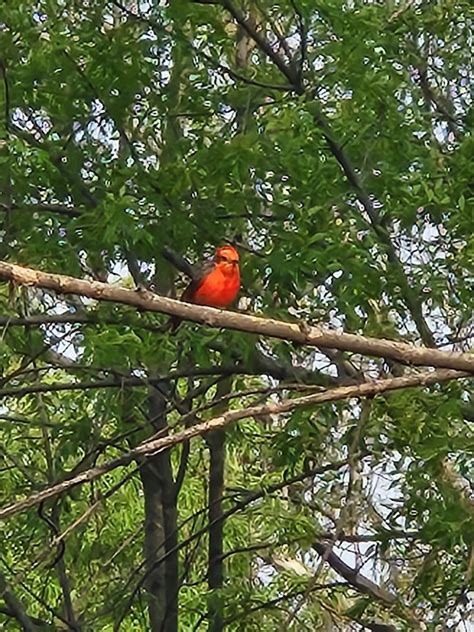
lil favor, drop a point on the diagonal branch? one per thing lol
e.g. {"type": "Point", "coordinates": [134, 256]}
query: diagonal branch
{"type": "Point", "coordinates": [367, 389]}
{"type": "Point", "coordinates": [409, 293]}
{"type": "Point", "coordinates": [300, 333]}
{"type": "Point", "coordinates": [352, 575]}
{"type": "Point", "coordinates": [259, 39]}
{"type": "Point", "coordinates": [179, 262]}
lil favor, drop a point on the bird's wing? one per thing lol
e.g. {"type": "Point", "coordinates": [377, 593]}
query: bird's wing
{"type": "Point", "coordinates": [201, 273]}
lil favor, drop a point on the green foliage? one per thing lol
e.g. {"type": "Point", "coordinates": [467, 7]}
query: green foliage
{"type": "Point", "coordinates": [124, 132]}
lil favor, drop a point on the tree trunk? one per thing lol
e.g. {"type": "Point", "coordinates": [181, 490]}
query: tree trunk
{"type": "Point", "coordinates": [160, 529]}
{"type": "Point", "coordinates": [215, 574]}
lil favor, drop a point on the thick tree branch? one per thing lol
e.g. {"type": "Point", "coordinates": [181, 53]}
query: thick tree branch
{"type": "Point", "coordinates": [217, 458]}
{"type": "Point", "coordinates": [300, 333]}
{"type": "Point", "coordinates": [160, 525]}
{"type": "Point", "coordinates": [6, 96]}
{"type": "Point", "coordinates": [367, 389]}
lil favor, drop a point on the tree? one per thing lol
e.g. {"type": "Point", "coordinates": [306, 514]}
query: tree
{"type": "Point", "coordinates": [244, 473]}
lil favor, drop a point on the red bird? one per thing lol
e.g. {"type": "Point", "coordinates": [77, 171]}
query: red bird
{"type": "Point", "coordinates": [216, 283]}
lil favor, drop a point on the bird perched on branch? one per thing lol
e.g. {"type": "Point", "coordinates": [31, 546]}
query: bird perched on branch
{"type": "Point", "coordinates": [216, 282]}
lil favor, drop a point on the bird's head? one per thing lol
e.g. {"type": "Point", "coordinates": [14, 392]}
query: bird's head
{"type": "Point", "coordinates": [227, 257]}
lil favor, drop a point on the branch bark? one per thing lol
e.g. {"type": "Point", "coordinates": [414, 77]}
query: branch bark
{"type": "Point", "coordinates": [300, 333]}
{"type": "Point", "coordinates": [367, 389]}
{"type": "Point", "coordinates": [160, 527]}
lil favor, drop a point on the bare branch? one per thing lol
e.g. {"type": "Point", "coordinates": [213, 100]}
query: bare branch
{"type": "Point", "coordinates": [179, 262]}
{"type": "Point", "coordinates": [300, 333]}
{"type": "Point", "coordinates": [303, 36]}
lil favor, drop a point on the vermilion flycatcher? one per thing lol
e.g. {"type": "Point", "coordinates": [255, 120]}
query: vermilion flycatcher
{"type": "Point", "coordinates": [216, 283]}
